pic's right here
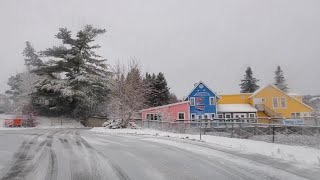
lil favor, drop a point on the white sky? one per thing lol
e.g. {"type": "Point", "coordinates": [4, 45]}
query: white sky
{"type": "Point", "coordinates": [189, 40]}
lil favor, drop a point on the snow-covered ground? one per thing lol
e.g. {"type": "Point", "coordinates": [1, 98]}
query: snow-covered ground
{"type": "Point", "coordinates": [44, 122]}
{"type": "Point", "coordinates": [298, 154]}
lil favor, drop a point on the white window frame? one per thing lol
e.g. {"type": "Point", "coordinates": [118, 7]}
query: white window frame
{"type": "Point", "coordinates": [226, 114]}
{"type": "Point", "coordinates": [254, 115]}
{"type": "Point", "coordinates": [220, 114]}
{"type": "Point", "coordinates": [184, 115]}
{"type": "Point", "coordinates": [275, 98]}
{"type": "Point", "coordinates": [192, 101]}
{"type": "Point", "coordinates": [214, 100]}
{"type": "Point", "coordinates": [285, 102]}
{"type": "Point", "coordinates": [213, 117]}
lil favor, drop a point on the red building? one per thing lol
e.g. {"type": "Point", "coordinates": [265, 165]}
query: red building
{"type": "Point", "coordinates": [170, 112]}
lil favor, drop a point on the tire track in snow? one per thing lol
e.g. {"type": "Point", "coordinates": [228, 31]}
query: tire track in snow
{"type": "Point", "coordinates": [27, 162]}
{"type": "Point", "coordinates": [21, 157]}
{"type": "Point", "coordinates": [97, 156]}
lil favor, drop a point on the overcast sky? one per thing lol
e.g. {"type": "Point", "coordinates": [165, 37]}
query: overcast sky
{"type": "Point", "coordinates": [188, 40]}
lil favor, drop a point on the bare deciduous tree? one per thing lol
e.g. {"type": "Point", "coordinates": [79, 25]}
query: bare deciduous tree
{"type": "Point", "coordinates": [127, 92]}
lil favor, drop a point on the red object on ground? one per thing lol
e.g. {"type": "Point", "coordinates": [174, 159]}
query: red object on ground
{"type": "Point", "coordinates": [17, 122]}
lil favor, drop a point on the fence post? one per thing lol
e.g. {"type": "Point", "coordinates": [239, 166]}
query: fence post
{"type": "Point", "coordinates": [240, 133]}
{"type": "Point", "coordinates": [200, 128]}
{"type": "Point", "coordinates": [273, 133]}
{"type": "Point", "coordinates": [232, 129]}
{"type": "Point", "coordinates": [255, 129]}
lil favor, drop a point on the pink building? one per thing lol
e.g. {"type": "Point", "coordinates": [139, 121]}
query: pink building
{"type": "Point", "coordinates": [170, 112]}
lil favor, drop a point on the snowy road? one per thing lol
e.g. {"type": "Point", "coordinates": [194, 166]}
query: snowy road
{"type": "Point", "coordinates": [57, 154]}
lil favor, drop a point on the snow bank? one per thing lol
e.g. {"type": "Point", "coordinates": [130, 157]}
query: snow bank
{"type": "Point", "coordinates": [305, 155]}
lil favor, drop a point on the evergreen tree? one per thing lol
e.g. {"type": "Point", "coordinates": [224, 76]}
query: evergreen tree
{"type": "Point", "coordinates": [162, 93]}
{"type": "Point", "coordinates": [173, 98]}
{"type": "Point", "coordinates": [75, 78]}
{"type": "Point", "coordinates": [249, 83]}
{"type": "Point", "coordinates": [279, 80]}
{"type": "Point", "coordinates": [32, 59]}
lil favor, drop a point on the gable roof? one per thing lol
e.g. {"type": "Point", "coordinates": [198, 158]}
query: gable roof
{"type": "Point", "coordinates": [197, 84]}
{"type": "Point", "coordinates": [164, 106]}
{"type": "Point", "coordinates": [275, 87]}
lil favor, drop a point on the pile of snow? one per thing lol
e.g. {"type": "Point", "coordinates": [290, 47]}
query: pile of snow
{"type": "Point", "coordinates": [117, 124]}
{"type": "Point", "coordinates": [305, 155]}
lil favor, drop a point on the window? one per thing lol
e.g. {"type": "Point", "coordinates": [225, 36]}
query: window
{"type": "Point", "coordinates": [159, 117]}
{"type": "Point", "coordinates": [192, 101]}
{"type": "Point", "coordinates": [283, 102]}
{"type": "Point", "coordinates": [213, 115]}
{"type": "Point", "coordinates": [181, 115]}
{"type": "Point", "coordinates": [193, 116]}
{"type": "Point", "coordinates": [149, 116]}
{"type": "Point", "coordinates": [263, 100]}
{"type": "Point", "coordinates": [275, 102]}
{"type": "Point", "coordinates": [205, 116]}
{"type": "Point", "coordinates": [298, 114]}
{"type": "Point", "coordinates": [220, 116]}
{"type": "Point", "coordinates": [228, 115]}
{"type": "Point", "coordinates": [252, 115]}
{"type": "Point", "coordinates": [212, 101]}
{"type": "Point", "coordinates": [306, 114]}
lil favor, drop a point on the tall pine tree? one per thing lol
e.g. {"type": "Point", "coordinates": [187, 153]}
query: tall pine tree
{"type": "Point", "coordinates": [279, 80]}
{"type": "Point", "coordinates": [249, 83]}
{"type": "Point", "coordinates": [162, 90]}
{"type": "Point", "coordinates": [75, 78]}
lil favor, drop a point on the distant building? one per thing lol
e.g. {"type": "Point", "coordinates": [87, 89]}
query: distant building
{"type": "Point", "coordinates": [262, 106]}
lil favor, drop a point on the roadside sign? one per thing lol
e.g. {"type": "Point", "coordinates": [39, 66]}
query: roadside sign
{"type": "Point", "coordinates": [293, 121]}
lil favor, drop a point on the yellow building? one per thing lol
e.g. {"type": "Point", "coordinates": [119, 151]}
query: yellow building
{"type": "Point", "coordinates": [271, 103]}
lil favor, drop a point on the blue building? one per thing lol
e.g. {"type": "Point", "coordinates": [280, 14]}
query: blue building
{"type": "Point", "coordinates": [203, 102]}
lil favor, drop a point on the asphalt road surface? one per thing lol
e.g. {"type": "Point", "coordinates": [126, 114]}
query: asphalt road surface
{"type": "Point", "coordinates": [78, 154]}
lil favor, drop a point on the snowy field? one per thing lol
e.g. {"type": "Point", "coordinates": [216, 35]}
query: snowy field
{"type": "Point", "coordinates": [44, 122]}
{"type": "Point", "coordinates": [292, 139]}
{"type": "Point", "coordinates": [298, 154]}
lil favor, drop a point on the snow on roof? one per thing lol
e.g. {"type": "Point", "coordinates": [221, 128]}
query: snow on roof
{"type": "Point", "coordinates": [164, 106]}
{"type": "Point", "coordinates": [236, 108]}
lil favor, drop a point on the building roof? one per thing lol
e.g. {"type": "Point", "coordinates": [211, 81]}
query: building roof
{"type": "Point", "coordinates": [275, 87]}
{"type": "Point", "coordinates": [164, 106]}
{"type": "Point", "coordinates": [236, 108]}
{"type": "Point", "coordinates": [196, 85]}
